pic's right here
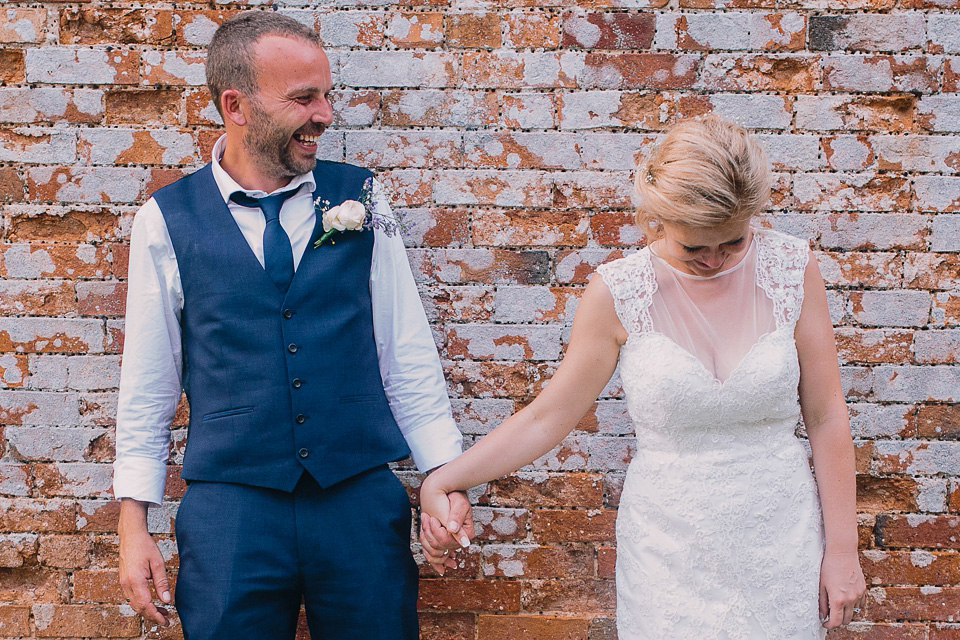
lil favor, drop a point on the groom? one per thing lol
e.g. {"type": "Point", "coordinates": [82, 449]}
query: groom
{"type": "Point", "coordinates": [308, 368]}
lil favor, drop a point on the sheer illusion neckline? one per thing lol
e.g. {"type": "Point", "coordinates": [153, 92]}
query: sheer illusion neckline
{"type": "Point", "coordinates": [690, 276]}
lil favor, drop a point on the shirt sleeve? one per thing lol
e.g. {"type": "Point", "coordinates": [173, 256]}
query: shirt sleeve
{"type": "Point", "coordinates": [409, 364]}
{"type": "Point", "coordinates": [151, 374]}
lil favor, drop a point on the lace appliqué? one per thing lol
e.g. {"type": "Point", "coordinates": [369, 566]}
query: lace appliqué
{"type": "Point", "coordinates": [632, 282]}
{"type": "Point", "coordinates": [781, 262]}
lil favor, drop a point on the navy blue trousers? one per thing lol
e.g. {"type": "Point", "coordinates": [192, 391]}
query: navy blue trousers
{"type": "Point", "coordinates": [249, 556]}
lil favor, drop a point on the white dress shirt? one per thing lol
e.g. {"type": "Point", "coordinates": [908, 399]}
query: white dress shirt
{"type": "Point", "coordinates": [151, 375]}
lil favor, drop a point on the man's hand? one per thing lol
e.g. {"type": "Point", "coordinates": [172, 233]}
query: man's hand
{"type": "Point", "coordinates": [140, 563]}
{"type": "Point", "coordinates": [441, 541]}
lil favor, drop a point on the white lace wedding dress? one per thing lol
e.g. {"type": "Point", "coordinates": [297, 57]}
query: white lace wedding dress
{"type": "Point", "coordinates": [719, 530]}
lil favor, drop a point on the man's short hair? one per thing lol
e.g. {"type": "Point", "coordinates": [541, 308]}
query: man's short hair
{"type": "Point", "coordinates": [231, 63]}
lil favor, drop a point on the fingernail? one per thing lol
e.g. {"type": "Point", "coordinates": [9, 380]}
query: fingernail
{"type": "Point", "coordinates": [465, 541]}
{"type": "Point", "coordinates": [166, 596]}
{"type": "Point", "coordinates": [452, 526]}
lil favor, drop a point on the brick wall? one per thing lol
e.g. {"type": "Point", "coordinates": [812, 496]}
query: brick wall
{"type": "Point", "coordinates": [508, 130]}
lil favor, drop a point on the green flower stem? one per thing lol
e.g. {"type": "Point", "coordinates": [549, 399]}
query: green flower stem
{"type": "Point", "coordinates": [323, 238]}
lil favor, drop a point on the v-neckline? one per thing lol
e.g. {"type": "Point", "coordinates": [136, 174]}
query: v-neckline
{"type": "Point", "coordinates": [702, 368]}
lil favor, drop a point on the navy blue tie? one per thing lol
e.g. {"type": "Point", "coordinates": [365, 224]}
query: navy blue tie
{"type": "Point", "coordinates": [277, 252]}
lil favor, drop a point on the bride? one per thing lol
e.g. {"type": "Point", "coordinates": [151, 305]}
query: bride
{"type": "Point", "coordinates": [724, 342]}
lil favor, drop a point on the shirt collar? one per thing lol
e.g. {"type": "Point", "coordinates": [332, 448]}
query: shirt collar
{"type": "Point", "coordinates": [228, 185]}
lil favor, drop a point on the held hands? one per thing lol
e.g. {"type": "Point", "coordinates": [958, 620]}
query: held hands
{"type": "Point", "coordinates": [440, 540]}
{"type": "Point", "coordinates": [842, 588]}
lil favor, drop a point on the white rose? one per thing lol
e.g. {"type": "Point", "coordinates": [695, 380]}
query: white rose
{"type": "Point", "coordinates": [348, 216]}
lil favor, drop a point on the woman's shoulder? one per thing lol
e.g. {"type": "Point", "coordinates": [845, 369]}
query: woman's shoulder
{"type": "Point", "coordinates": [778, 239]}
{"type": "Point", "coordinates": [630, 262]}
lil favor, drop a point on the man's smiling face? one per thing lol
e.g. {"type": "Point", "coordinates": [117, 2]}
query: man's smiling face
{"type": "Point", "coordinates": [291, 108]}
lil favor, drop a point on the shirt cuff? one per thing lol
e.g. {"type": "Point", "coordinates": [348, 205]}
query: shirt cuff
{"type": "Point", "coordinates": [434, 444]}
{"type": "Point", "coordinates": [139, 478]}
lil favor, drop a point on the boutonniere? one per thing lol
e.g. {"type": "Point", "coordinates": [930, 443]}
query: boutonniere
{"type": "Point", "coordinates": [357, 215]}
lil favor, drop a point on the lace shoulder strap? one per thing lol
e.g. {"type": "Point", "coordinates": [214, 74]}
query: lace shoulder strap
{"type": "Point", "coordinates": [781, 262]}
{"type": "Point", "coordinates": [632, 282]}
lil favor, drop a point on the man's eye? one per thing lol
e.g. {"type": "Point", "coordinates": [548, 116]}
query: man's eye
{"type": "Point", "coordinates": [691, 249]}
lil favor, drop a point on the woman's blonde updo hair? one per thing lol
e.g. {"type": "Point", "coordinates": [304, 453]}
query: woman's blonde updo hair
{"type": "Point", "coordinates": [705, 172]}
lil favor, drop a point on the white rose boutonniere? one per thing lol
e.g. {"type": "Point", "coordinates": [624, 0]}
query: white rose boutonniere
{"type": "Point", "coordinates": [357, 215]}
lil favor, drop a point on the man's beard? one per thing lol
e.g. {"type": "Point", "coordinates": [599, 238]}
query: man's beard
{"type": "Point", "coordinates": [269, 147]}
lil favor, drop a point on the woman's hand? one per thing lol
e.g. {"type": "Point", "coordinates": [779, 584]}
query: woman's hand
{"type": "Point", "coordinates": [842, 588]}
{"type": "Point", "coordinates": [440, 540]}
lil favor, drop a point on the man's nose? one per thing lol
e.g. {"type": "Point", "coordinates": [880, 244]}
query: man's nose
{"type": "Point", "coordinates": [323, 114]}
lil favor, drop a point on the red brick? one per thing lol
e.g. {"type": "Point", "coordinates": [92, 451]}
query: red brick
{"type": "Point", "coordinates": [778, 31]}
{"type": "Point", "coordinates": [15, 621]}
{"type": "Point", "coordinates": [102, 299]}
{"type": "Point", "coordinates": [466, 304]}
{"type": "Point", "coordinates": [760, 72]}
{"type": "Point", "coordinates": [194, 28]}
{"type": "Point", "coordinates": [97, 585]}
{"type": "Point", "coordinates": [886, 494]}
{"type": "Point", "coordinates": [608, 30]}
{"type": "Point", "coordinates": [500, 525]}
{"type": "Point", "coordinates": [96, 25]}
{"type": "Point", "coordinates": [415, 29]}
{"type": "Point", "coordinates": [509, 70]}
{"type": "Point", "coordinates": [65, 552]}
{"type": "Point", "coordinates": [511, 561]}
{"type": "Point", "coordinates": [447, 626]}
{"type": "Point", "coordinates": [158, 179]}
{"type": "Point", "coordinates": [473, 31]}
{"type": "Point", "coordinates": [874, 346]}
{"type": "Point", "coordinates": [910, 567]}
{"type": "Point", "coordinates": [565, 490]}
{"type": "Point", "coordinates": [725, 4]}
{"type": "Point", "coordinates": [940, 422]}
{"type": "Point", "coordinates": [23, 25]}
{"type": "Point", "coordinates": [528, 626]}
{"type": "Point", "coordinates": [497, 379]}
{"type": "Point", "coordinates": [60, 621]}
{"type": "Point", "coordinates": [606, 562]}
{"type": "Point", "coordinates": [594, 525]}
{"type": "Point", "coordinates": [470, 595]}
{"type": "Point", "coordinates": [434, 108]}
{"type": "Point", "coordinates": [69, 226]}
{"type": "Point", "coordinates": [55, 261]}
{"type": "Point", "coordinates": [12, 187]}
{"type": "Point", "coordinates": [872, 631]}
{"type": "Point", "coordinates": [640, 71]}
{"type": "Point", "coordinates": [939, 532]}
{"type": "Point", "coordinates": [89, 185]}
{"type": "Point", "coordinates": [570, 596]}
{"type": "Point", "coordinates": [913, 603]}
{"type": "Point", "coordinates": [12, 66]}
{"type": "Point", "coordinates": [37, 516]}
{"type": "Point", "coordinates": [932, 271]}
{"type": "Point", "coordinates": [945, 632]}
{"type": "Point", "coordinates": [894, 114]}
{"type": "Point", "coordinates": [528, 228]}
{"type": "Point", "coordinates": [44, 298]}
{"type": "Point", "coordinates": [483, 267]}
{"type": "Point", "coordinates": [157, 106]}
{"type": "Point", "coordinates": [532, 30]}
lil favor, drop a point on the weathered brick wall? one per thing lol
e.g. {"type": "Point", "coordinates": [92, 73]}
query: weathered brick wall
{"type": "Point", "coordinates": [509, 130]}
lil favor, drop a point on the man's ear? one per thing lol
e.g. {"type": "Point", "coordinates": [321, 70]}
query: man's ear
{"type": "Point", "coordinates": [234, 106]}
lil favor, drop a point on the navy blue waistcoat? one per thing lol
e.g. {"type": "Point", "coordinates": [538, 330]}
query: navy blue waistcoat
{"type": "Point", "coordinates": [277, 383]}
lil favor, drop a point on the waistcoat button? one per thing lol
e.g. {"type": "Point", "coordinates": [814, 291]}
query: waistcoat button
{"type": "Point", "coordinates": [301, 419]}
{"type": "Point", "coordinates": [303, 453]}
{"type": "Point", "coordinates": [292, 348]}
{"type": "Point", "coordinates": [288, 313]}
{"type": "Point", "coordinates": [297, 383]}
